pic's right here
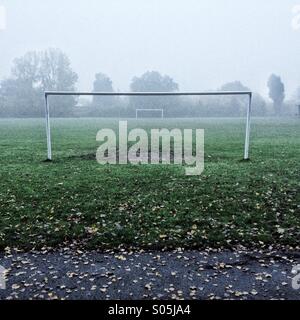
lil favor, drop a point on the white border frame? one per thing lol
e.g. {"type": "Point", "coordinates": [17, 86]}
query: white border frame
{"type": "Point", "coordinates": [147, 94]}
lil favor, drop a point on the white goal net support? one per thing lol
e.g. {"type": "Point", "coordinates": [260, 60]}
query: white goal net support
{"type": "Point", "coordinates": [158, 112]}
{"type": "Point", "coordinates": [149, 94]}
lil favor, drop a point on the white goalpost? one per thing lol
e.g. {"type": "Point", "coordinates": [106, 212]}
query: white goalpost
{"type": "Point", "coordinates": [160, 111]}
{"type": "Point", "coordinates": [147, 94]}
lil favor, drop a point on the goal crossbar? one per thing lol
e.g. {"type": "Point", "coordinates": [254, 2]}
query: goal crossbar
{"type": "Point", "coordinates": [147, 94]}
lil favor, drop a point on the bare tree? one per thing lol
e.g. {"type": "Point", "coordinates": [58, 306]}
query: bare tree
{"type": "Point", "coordinates": [33, 73]}
{"type": "Point", "coordinates": [276, 92]}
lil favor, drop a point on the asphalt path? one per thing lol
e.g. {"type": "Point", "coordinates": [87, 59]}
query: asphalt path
{"type": "Point", "coordinates": [70, 273]}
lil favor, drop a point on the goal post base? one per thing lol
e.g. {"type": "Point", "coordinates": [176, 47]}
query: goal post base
{"type": "Point", "coordinates": [245, 160]}
{"type": "Point", "coordinates": [48, 161]}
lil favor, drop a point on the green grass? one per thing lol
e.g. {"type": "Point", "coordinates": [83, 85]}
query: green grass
{"type": "Point", "coordinates": [75, 198]}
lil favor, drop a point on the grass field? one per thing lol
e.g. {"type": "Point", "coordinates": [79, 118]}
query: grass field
{"type": "Point", "coordinates": [76, 199]}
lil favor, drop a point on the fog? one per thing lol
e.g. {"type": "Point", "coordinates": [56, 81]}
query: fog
{"type": "Point", "coordinates": [200, 44]}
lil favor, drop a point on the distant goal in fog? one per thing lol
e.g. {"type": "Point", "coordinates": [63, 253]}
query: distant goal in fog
{"type": "Point", "coordinates": [149, 113]}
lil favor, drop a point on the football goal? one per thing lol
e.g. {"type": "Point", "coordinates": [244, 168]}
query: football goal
{"type": "Point", "coordinates": [149, 113]}
{"type": "Point", "coordinates": [149, 94]}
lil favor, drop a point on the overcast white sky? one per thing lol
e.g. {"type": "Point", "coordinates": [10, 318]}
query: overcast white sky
{"type": "Point", "coordinates": [200, 43]}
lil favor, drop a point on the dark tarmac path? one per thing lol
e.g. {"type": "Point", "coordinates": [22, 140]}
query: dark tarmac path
{"type": "Point", "coordinates": [179, 274]}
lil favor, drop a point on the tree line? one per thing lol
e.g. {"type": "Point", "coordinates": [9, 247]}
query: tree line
{"type": "Point", "coordinates": [21, 95]}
